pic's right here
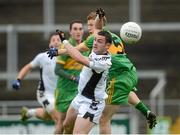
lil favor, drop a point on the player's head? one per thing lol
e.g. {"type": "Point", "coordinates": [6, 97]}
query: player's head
{"type": "Point", "coordinates": [54, 40]}
{"type": "Point", "coordinates": [102, 42]}
{"type": "Point", "coordinates": [91, 21]}
{"type": "Point", "coordinates": [76, 30]}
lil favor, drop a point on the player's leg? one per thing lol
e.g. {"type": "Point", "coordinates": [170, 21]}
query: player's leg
{"type": "Point", "coordinates": [89, 114]}
{"type": "Point", "coordinates": [119, 87]}
{"type": "Point", "coordinates": [135, 101]}
{"type": "Point", "coordinates": [69, 121]}
{"type": "Point", "coordinates": [105, 121]}
{"type": "Point", "coordinates": [54, 115]}
{"type": "Point", "coordinates": [48, 102]}
{"type": "Point", "coordinates": [59, 117]}
{"type": "Point", "coordinates": [82, 126]}
{"type": "Point", "coordinates": [39, 113]}
{"type": "Point", "coordinates": [139, 105]}
{"type": "Point", "coordinates": [62, 105]}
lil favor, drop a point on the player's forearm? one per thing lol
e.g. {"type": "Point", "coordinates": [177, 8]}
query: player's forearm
{"type": "Point", "coordinates": [62, 51]}
{"type": "Point", "coordinates": [61, 72]}
{"type": "Point", "coordinates": [24, 71]}
{"type": "Point", "coordinates": [74, 53]}
{"type": "Point", "coordinates": [82, 47]}
{"type": "Point", "coordinates": [99, 23]}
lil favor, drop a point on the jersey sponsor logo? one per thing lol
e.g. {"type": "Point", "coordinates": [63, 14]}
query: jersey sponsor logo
{"type": "Point", "coordinates": [102, 58]}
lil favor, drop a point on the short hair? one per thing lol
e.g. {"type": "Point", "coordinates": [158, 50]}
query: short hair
{"type": "Point", "coordinates": [53, 34]}
{"type": "Point", "coordinates": [73, 22]}
{"type": "Point", "coordinates": [91, 15]}
{"type": "Point", "coordinates": [107, 36]}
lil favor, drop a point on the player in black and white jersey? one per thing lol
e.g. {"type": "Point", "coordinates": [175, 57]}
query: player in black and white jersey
{"type": "Point", "coordinates": [47, 84]}
{"type": "Point", "coordinates": [86, 108]}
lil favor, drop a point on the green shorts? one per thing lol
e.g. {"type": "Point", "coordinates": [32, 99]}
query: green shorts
{"type": "Point", "coordinates": [119, 86]}
{"type": "Point", "coordinates": [63, 99]}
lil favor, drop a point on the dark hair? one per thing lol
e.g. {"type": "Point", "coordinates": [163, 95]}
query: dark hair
{"type": "Point", "coordinates": [107, 36]}
{"type": "Point", "coordinates": [75, 21]}
{"type": "Point", "coordinates": [52, 34]}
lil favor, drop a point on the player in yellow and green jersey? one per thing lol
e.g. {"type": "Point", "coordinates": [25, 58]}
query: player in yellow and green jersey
{"type": "Point", "coordinates": [68, 71]}
{"type": "Point", "coordinates": [122, 83]}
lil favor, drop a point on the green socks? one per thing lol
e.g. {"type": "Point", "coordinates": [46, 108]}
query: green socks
{"type": "Point", "coordinates": [142, 108]}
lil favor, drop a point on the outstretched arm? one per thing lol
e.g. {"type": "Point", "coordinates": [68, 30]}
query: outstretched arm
{"type": "Point", "coordinates": [100, 20]}
{"type": "Point", "coordinates": [81, 47]}
{"type": "Point", "coordinates": [74, 53]}
{"type": "Point", "coordinates": [16, 84]}
{"type": "Point", "coordinates": [24, 71]}
{"type": "Point", "coordinates": [59, 70]}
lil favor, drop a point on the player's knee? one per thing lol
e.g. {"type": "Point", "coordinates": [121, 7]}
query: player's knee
{"type": "Point", "coordinates": [78, 132]}
{"type": "Point", "coordinates": [54, 116]}
{"type": "Point", "coordinates": [68, 129]}
{"type": "Point", "coordinates": [104, 120]}
{"type": "Point", "coordinates": [47, 117]}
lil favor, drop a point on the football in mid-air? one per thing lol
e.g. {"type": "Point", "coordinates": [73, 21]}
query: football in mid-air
{"type": "Point", "coordinates": [130, 32]}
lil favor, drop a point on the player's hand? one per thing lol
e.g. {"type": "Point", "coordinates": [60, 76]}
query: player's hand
{"type": "Point", "coordinates": [75, 78]}
{"type": "Point", "coordinates": [100, 12]}
{"type": "Point", "coordinates": [52, 52]}
{"type": "Point", "coordinates": [61, 35]}
{"type": "Point", "coordinates": [16, 84]}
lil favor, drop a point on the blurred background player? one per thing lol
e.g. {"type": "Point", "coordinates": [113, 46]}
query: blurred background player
{"type": "Point", "coordinates": [86, 108]}
{"type": "Point", "coordinates": [91, 29]}
{"type": "Point", "coordinates": [68, 70]}
{"type": "Point", "coordinates": [46, 87]}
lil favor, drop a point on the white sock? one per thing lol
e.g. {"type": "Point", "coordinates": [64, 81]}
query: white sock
{"type": "Point", "coordinates": [31, 113]}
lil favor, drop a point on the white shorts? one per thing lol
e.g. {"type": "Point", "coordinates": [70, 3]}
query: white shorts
{"type": "Point", "coordinates": [46, 100]}
{"type": "Point", "coordinates": [88, 108]}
